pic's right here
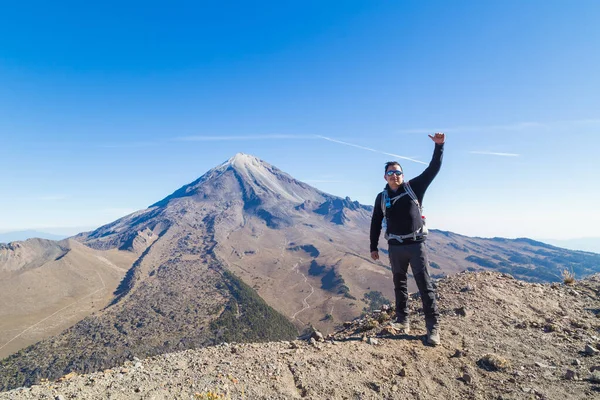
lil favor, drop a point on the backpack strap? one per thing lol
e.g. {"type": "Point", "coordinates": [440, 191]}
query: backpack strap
{"type": "Point", "coordinates": [386, 202]}
{"type": "Point", "coordinates": [413, 196]}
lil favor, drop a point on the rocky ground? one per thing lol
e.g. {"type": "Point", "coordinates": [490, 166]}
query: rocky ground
{"type": "Point", "coordinates": [501, 339]}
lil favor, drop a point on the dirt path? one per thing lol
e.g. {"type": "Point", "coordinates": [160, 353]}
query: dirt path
{"type": "Point", "coordinates": [304, 300]}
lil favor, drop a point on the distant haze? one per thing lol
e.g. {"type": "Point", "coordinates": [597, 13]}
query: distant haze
{"type": "Point", "coordinates": [8, 237]}
{"type": "Point", "coordinates": [586, 244]}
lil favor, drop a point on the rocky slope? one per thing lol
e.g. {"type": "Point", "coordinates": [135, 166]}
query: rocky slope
{"type": "Point", "coordinates": [501, 339]}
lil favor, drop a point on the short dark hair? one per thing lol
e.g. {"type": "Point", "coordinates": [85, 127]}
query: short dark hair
{"type": "Point", "coordinates": [390, 163]}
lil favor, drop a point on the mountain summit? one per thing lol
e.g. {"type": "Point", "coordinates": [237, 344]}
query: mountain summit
{"type": "Point", "coordinates": [246, 177]}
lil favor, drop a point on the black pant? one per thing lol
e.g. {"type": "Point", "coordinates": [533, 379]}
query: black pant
{"type": "Point", "coordinates": [414, 254]}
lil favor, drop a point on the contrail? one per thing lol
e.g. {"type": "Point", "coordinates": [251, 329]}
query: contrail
{"type": "Point", "coordinates": [370, 149]}
{"type": "Point", "coordinates": [489, 153]}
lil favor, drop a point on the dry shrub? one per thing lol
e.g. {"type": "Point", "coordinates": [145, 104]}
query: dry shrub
{"type": "Point", "coordinates": [493, 362]}
{"type": "Point", "coordinates": [382, 317]}
{"type": "Point", "coordinates": [568, 277]}
{"type": "Point", "coordinates": [210, 396]}
{"type": "Point", "coordinates": [370, 324]}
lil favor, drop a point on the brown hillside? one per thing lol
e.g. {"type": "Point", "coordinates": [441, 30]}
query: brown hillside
{"type": "Point", "coordinates": [47, 286]}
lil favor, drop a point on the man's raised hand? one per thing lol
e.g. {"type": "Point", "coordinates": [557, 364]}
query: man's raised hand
{"type": "Point", "coordinates": [438, 137]}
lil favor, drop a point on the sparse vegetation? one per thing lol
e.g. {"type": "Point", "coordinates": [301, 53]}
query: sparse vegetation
{"type": "Point", "coordinates": [369, 325]}
{"type": "Point", "coordinates": [309, 248]}
{"type": "Point", "coordinates": [257, 321]}
{"type": "Point", "coordinates": [333, 282]}
{"type": "Point", "coordinates": [375, 300]}
{"type": "Point", "coordinates": [315, 269]}
{"type": "Point", "coordinates": [493, 362]}
{"type": "Point", "coordinates": [568, 277]}
{"type": "Point", "coordinates": [209, 396]}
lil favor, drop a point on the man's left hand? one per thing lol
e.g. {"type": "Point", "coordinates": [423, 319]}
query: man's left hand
{"type": "Point", "coordinates": [438, 138]}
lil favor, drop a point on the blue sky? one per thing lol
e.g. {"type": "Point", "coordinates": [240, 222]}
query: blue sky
{"type": "Point", "coordinates": [107, 108]}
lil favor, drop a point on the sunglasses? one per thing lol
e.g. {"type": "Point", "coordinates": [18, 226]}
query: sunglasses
{"type": "Point", "coordinates": [390, 173]}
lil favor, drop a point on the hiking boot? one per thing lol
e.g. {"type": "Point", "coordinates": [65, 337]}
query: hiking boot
{"type": "Point", "coordinates": [402, 325]}
{"type": "Point", "coordinates": [433, 336]}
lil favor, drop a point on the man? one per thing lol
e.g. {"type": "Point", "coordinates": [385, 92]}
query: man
{"type": "Point", "coordinates": [400, 204]}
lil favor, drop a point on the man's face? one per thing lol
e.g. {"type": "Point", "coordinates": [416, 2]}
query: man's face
{"type": "Point", "coordinates": [394, 177]}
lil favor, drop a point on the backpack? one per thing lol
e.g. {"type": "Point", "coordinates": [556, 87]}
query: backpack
{"type": "Point", "coordinates": [386, 202]}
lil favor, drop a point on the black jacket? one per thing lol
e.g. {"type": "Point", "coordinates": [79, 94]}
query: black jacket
{"type": "Point", "coordinates": [404, 217]}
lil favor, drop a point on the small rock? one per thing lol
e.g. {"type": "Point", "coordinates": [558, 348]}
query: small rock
{"type": "Point", "coordinates": [137, 389]}
{"type": "Point", "coordinates": [467, 378]}
{"type": "Point", "coordinates": [570, 375]}
{"type": "Point", "coordinates": [318, 336]}
{"type": "Point", "coordinates": [541, 365]}
{"type": "Point", "coordinates": [594, 377]}
{"type": "Point", "coordinates": [124, 370]}
{"type": "Point", "coordinates": [375, 386]}
{"type": "Point", "coordinates": [294, 345]}
{"type": "Point", "coordinates": [576, 362]}
{"type": "Point", "coordinates": [468, 288]}
{"type": "Point", "coordinates": [521, 325]}
{"type": "Point", "coordinates": [372, 341]}
{"type": "Point", "coordinates": [590, 351]}
{"type": "Point", "coordinates": [312, 341]}
{"type": "Point", "coordinates": [595, 368]}
{"type": "Point", "coordinates": [462, 311]}
{"type": "Point", "coordinates": [60, 397]}
{"type": "Point", "coordinates": [458, 353]}
{"type": "Point", "coordinates": [394, 388]}
{"type": "Point", "coordinates": [402, 372]}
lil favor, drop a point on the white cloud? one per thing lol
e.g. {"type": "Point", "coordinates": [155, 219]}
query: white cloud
{"type": "Point", "coordinates": [131, 145]}
{"type": "Point", "coordinates": [240, 137]}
